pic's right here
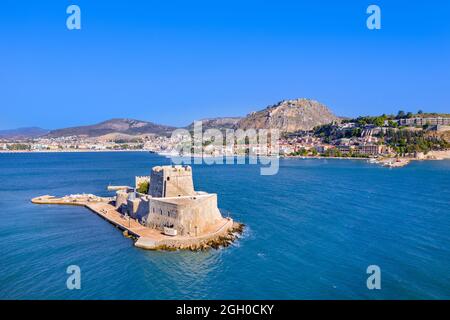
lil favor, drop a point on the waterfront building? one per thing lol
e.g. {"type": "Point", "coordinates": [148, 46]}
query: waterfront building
{"type": "Point", "coordinates": [321, 148]}
{"type": "Point", "coordinates": [419, 121]}
{"type": "Point", "coordinates": [368, 149]}
{"type": "Point", "coordinates": [344, 148]}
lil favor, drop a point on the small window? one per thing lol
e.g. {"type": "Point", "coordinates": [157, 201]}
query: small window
{"type": "Point", "coordinates": [168, 178]}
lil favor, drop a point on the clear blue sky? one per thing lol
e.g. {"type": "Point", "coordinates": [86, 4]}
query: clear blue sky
{"type": "Point", "coordinates": [175, 61]}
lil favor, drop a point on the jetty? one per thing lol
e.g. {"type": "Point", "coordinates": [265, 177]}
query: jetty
{"type": "Point", "coordinates": [393, 162]}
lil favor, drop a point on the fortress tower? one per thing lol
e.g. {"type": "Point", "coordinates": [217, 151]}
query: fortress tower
{"type": "Point", "coordinates": [175, 204]}
{"type": "Point", "coordinates": [172, 203]}
{"type": "Point", "coordinates": [171, 181]}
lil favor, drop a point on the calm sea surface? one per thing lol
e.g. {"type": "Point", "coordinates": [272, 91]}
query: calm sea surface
{"type": "Point", "coordinates": [312, 230]}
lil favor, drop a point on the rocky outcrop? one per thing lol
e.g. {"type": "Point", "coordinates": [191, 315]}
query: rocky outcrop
{"type": "Point", "coordinates": [217, 123]}
{"type": "Point", "coordinates": [289, 116]}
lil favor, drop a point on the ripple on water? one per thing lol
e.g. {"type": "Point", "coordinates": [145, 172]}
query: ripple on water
{"type": "Point", "coordinates": [311, 231]}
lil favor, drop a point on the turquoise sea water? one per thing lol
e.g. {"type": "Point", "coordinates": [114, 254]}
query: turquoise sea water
{"type": "Point", "coordinates": [312, 230]}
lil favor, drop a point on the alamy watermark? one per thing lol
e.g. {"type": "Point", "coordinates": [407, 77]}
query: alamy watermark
{"type": "Point", "coordinates": [373, 22]}
{"type": "Point", "coordinates": [227, 146]}
{"type": "Point", "coordinates": [73, 21]}
{"type": "Point", "coordinates": [374, 280]}
{"type": "Point", "coordinates": [74, 280]}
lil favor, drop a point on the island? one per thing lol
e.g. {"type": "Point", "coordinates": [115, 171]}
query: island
{"type": "Point", "coordinates": [162, 211]}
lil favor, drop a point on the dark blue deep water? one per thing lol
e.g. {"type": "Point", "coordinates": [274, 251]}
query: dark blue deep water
{"type": "Point", "coordinates": [312, 230]}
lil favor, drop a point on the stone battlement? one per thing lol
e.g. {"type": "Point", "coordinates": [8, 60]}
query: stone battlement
{"type": "Point", "coordinates": [175, 168]}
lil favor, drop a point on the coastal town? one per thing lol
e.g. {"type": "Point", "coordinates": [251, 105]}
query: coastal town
{"type": "Point", "coordinates": [393, 140]}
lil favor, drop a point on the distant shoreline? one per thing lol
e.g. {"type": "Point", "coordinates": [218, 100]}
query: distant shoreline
{"type": "Point", "coordinates": [433, 155]}
{"type": "Point", "coordinates": [324, 157]}
{"type": "Point", "coordinates": [68, 151]}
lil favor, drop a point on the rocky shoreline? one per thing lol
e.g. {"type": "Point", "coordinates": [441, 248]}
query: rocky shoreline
{"type": "Point", "coordinates": [391, 162]}
{"type": "Point", "coordinates": [218, 242]}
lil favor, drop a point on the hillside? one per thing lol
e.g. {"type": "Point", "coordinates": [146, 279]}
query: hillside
{"type": "Point", "coordinates": [23, 133]}
{"type": "Point", "coordinates": [217, 123]}
{"type": "Point", "coordinates": [289, 116]}
{"type": "Point", "coordinates": [126, 126]}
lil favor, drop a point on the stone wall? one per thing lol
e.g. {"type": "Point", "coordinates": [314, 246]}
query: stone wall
{"type": "Point", "coordinates": [121, 201]}
{"type": "Point", "coordinates": [163, 214]}
{"type": "Point", "coordinates": [179, 182]}
{"type": "Point", "coordinates": [138, 208]}
{"type": "Point", "coordinates": [200, 214]}
{"type": "Point", "coordinates": [156, 188]}
{"type": "Point", "coordinates": [188, 215]}
{"type": "Point", "coordinates": [197, 241]}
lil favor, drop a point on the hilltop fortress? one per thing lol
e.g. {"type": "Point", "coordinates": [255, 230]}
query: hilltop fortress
{"type": "Point", "coordinates": [162, 211]}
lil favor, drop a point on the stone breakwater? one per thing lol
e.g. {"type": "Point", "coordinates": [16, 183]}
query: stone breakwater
{"type": "Point", "coordinates": [222, 234]}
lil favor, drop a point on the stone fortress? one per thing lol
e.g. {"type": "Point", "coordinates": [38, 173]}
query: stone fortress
{"type": "Point", "coordinates": [162, 211]}
{"type": "Point", "coordinates": [166, 201]}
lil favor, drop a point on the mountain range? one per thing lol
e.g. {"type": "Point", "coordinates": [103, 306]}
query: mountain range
{"type": "Point", "coordinates": [119, 125]}
{"type": "Point", "coordinates": [23, 133]}
{"type": "Point", "coordinates": [287, 116]}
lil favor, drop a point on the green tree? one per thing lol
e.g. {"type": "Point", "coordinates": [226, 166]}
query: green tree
{"type": "Point", "coordinates": [379, 121]}
{"type": "Point", "coordinates": [401, 114]}
{"type": "Point", "coordinates": [143, 187]}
